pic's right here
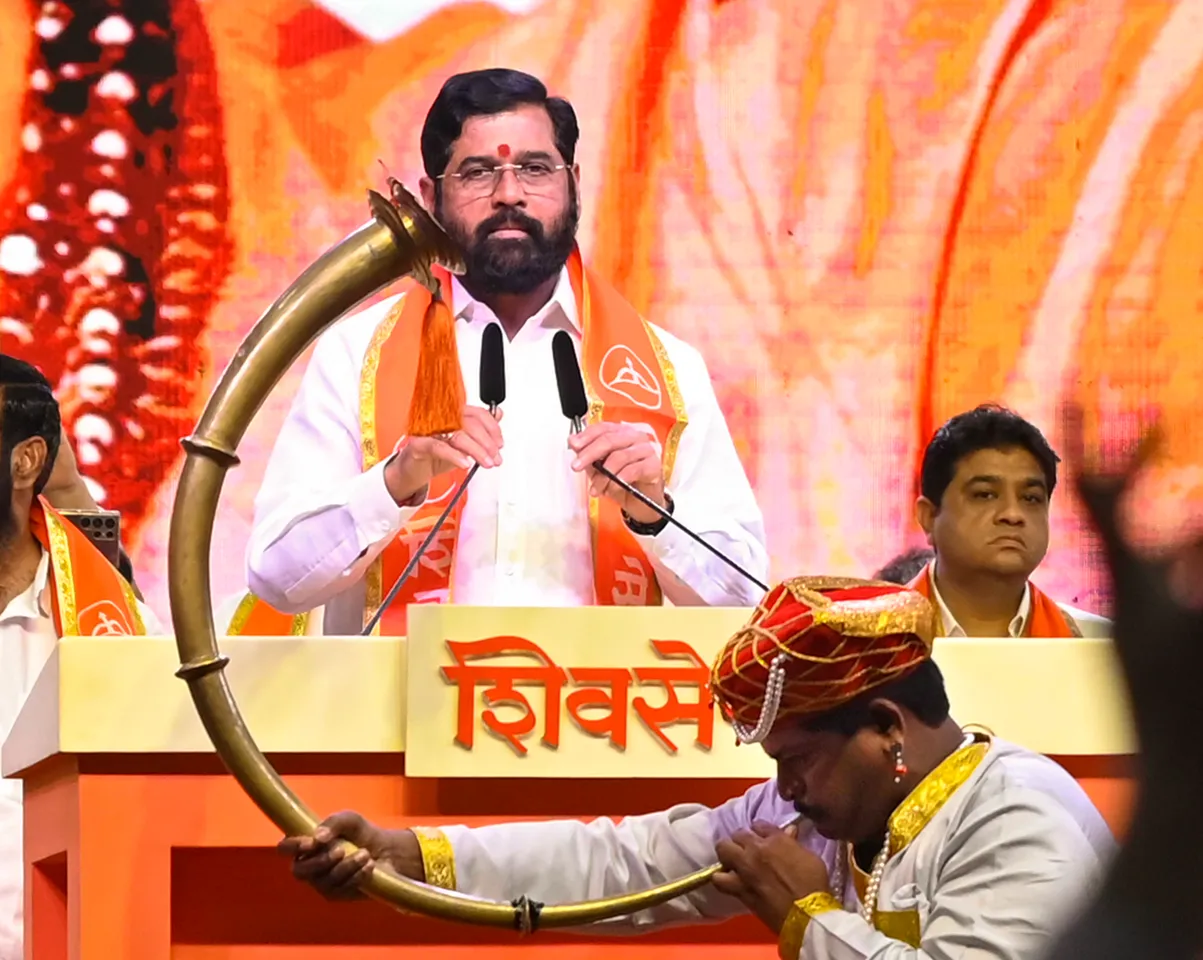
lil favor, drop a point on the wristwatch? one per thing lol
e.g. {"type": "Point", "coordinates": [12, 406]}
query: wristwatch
{"type": "Point", "coordinates": [649, 529]}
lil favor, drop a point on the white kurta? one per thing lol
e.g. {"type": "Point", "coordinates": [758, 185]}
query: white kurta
{"type": "Point", "coordinates": [27, 639]}
{"type": "Point", "coordinates": [321, 520]}
{"type": "Point", "coordinates": [991, 875]}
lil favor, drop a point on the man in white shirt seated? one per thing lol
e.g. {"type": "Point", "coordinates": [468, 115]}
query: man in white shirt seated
{"type": "Point", "coordinates": [53, 583]}
{"type": "Point", "coordinates": [986, 484]}
{"type": "Point", "coordinates": [347, 495]}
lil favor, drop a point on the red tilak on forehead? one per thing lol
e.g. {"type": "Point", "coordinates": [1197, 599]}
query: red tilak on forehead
{"type": "Point", "coordinates": [503, 150]}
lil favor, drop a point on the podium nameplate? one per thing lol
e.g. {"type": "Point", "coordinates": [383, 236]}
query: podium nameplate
{"type": "Point", "coordinates": [618, 692]}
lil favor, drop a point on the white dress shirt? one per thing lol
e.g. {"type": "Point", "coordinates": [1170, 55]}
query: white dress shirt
{"type": "Point", "coordinates": [524, 539]}
{"type": "Point", "coordinates": [1090, 624]}
{"type": "Point", "coordinates": [993, 874]}
{"type": "Point", "coordinates": [27, 639]}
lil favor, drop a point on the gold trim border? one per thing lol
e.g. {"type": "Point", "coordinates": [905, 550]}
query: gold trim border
{"type": "Point", "coordinates": [669, 372]}
{"type": "Point", "coordinates": [933, 791]}
{"type": "Point", "coordinates": [596, 410]}
{"type": "Point", "coordinates": [793, 931]}
{"type": "Point", "coordinates": [298, 625]}
{"type": "Point", "coordinates": [438, 857]}
{"type": "Point", "coordinates": [131, 601]}
{"type": "Point", "coordinates": [241, 615]}
{"type": "Point", "coordinates": [367, 384]}
{"type": "Point", "coordinates": [901, 925]}
{"type": "Point", "coordinates": [373, 578]}
{"type": "Point", "coordinates": [64, 584]}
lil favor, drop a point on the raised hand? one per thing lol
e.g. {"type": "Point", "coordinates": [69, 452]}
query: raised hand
{"type": "Point", "coordinates": [632, 453]}
{"type": "Point", "coordinates": [421, 459]}
{"type": "Point", "coordinates": [768, 870]}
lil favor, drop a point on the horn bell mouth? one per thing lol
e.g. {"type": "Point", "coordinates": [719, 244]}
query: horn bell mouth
{"type": "Point", "coordinates": [417, 233]}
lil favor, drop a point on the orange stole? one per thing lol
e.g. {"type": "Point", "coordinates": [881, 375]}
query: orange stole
{"type": "Point", "coordinates": [1046, 620]}
{"type": "Point", "coordinates": [89, 597]}
{"type": "Point", "coordinates": [628, 377]}
{"type": "Point", "coordinates": [254, 618]}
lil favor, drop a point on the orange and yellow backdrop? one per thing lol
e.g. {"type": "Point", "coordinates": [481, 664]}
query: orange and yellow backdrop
{"type": "Point", "coordinates": [868, 216]}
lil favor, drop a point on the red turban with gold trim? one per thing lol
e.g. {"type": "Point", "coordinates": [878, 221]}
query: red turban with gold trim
{"type": "Point", "coordinates": [814, 644]}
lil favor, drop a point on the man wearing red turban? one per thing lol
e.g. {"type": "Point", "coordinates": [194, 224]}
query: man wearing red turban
{"type": "Point", "coordinates": [888, 831]}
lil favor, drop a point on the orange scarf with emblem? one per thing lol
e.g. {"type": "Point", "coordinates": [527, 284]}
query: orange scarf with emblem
{"type": "Point", "coordinates": [1046, 620]}
{"type": "Point", "coordinates": [89, 597]}
{"type": "Point", "coordinates": [628, 378]}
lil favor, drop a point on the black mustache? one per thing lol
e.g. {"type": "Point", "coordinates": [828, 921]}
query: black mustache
{"type": "Point", "coordinates": [510, 220]}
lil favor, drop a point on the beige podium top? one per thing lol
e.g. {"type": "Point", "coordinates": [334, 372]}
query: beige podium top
{"type": "Point", "coordinates": [298, 695]}
{"type": "Point", "coordinates": [350, 695]}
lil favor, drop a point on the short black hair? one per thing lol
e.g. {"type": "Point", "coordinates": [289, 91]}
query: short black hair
{"type": "Point", "coordinates": [484, 93]}
{"type": "Point", "coordinates": [921, 691]}
{"type": "Point", "coordinates": [906, 566]}
{"type": "Point", "coordinates": [27, 409]}
{"type": "Point", "coordinates": [988, 427]}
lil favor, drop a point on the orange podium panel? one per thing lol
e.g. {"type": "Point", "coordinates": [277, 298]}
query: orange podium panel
{"type": "Point", "coordinates": [138, 845]}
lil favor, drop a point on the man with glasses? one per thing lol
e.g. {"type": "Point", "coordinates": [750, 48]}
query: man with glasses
{"type": "Point", "coordinates": [346, 498]}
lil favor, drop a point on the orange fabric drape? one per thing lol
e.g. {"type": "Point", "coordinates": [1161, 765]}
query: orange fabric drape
{"type": "Point", "coordinates": [1046, 620]}
{"type": "Point", "coordinates": [89, 597]}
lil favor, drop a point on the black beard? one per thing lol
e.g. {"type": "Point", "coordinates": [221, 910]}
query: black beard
{"type": "Point", "coordinates": [513, 265]}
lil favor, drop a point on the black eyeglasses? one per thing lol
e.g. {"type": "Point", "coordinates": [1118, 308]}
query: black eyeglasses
{"type": "Point", "coordinates": [481, 180]}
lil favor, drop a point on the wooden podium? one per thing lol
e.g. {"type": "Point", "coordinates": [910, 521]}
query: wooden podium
{"type": "Point", "coordinates": [138, 845]}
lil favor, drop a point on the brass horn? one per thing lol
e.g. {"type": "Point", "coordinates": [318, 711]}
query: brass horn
{"type": "Point", "coordinates": [400, 240]}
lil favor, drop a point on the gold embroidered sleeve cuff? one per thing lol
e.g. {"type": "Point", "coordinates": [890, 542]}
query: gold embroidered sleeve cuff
{"type": "Point", "coordinates": [793, 931]}
{"type": "Point", "coordinates": [438, 857]}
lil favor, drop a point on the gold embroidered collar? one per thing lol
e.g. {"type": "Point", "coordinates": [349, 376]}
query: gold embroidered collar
{"type": "Point", "coordinates": [924, 802]}
{"type": "Point", "coordinates": [932, 792]}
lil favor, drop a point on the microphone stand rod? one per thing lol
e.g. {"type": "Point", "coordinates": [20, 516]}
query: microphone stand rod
{"type": "Point", "coordinates": [652, 505]}
{"type": "Point", "coordinates": [413, 561]}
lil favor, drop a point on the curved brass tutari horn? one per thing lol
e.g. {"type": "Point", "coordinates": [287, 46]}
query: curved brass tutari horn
{"type": "Point", "coordinates": [400, 240]}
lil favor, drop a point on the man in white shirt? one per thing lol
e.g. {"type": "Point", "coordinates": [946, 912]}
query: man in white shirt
{"type": "Point", "coordinates": [986, 483]}
{"type": "Point", "coordinates": [888, 833]}
{"type": "Point", "coordinates": [101, 603]}
{"type": "Point", "coordinates": [336, 497]}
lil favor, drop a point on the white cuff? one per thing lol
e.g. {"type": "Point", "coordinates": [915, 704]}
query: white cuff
{"type": "Point", "coordinates": [373, 509]}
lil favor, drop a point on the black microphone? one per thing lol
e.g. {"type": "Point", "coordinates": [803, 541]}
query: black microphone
{"type": "Point", "coordinates": [575, 405]}
{"type": "Point", "coordinates": [569, 381]}
{"type": "Point", "coordinates": [492, 395]}
{"type": "Point", "coordinates": [492, 368]}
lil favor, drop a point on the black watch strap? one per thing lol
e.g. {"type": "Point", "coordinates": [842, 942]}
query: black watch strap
{"type": "Point", "coordinates": [649, 529]}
